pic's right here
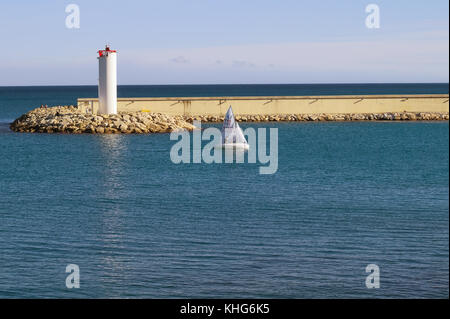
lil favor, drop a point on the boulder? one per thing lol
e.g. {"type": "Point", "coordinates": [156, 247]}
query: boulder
{"type": "Point", "coordinates": [100, 129]}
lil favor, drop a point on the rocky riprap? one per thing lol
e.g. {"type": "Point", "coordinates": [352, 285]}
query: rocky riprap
{"type": "Point", "coordinates": [404, 116]}
{"type": "Point", "coordinates": [68, 119]}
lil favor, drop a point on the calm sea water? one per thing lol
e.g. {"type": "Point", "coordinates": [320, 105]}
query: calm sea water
{"type": "Point", "coordinates": [345, 195]}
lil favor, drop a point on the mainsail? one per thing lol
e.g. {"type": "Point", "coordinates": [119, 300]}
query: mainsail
{"type": "Point", "coordinates": [231, 132]}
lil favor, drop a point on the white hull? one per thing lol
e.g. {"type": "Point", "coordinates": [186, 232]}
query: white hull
{"type": "Point", "coordinates": [238, 146]}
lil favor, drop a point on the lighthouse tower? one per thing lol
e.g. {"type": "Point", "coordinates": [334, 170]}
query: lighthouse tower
{"type": "Point", "coordinates": [107, 81]}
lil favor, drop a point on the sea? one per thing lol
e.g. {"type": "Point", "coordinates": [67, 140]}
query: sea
{"type": "Point", "coordinates": [134, 224]}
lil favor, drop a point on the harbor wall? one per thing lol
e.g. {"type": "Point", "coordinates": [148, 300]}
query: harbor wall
{"type": "Point", "coordinates": [271, 105]}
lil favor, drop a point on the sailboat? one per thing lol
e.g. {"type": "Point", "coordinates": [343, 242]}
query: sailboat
{"type": "Point", "coordinates": [232, 135]}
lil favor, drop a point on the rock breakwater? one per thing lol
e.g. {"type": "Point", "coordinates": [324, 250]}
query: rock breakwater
{"type": "Point", "coordinates": [68, 119]}
{"type": "Point", "coordinates": [404, 116]}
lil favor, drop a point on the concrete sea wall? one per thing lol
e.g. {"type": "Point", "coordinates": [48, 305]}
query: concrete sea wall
{"type": "Point", "coordinates": [279, 105]}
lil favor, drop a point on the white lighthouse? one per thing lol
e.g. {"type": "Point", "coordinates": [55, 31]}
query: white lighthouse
{"type": "Point", "coordinates": [107, 81]}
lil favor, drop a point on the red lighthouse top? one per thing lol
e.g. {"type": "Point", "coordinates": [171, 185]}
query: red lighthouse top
{"type": "Point", "coordinates": [105, 52]}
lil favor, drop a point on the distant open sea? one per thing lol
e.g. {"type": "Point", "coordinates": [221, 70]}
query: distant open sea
{"type": "Point", "coordinates": [345, 195]}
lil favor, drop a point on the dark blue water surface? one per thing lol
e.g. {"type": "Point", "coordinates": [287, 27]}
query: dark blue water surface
{"type": "Point", "coordinates": [345, 195]}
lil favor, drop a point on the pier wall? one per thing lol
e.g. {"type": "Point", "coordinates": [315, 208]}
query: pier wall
{"type": "Point", "coordinates": [268, 105]}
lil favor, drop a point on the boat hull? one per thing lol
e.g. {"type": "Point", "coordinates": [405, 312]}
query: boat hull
{"type": "Point", "coordinates": [234, 146]}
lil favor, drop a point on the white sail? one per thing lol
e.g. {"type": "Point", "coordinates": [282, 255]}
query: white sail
{"type": "Point", "coordinates": [240, 138]}
{"type": "Point", "coordinates": [232, 134]}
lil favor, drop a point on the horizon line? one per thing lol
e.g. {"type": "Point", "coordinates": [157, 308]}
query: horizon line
{"type": "Point", "coordinates": [216, 84]}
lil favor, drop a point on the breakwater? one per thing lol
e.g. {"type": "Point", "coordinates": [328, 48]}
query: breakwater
{"type": "Point", "coordinates": [322, 117]}
{"type": "Point", "coordinates": [279, 105]}
{"type": "Point", "coordinates": [159, 115]}
{"type": "Point", "coordinates": [69, 119]}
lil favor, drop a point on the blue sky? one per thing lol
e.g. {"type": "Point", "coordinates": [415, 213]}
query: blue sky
{"type": "Point", "coordinates": [210, 41]}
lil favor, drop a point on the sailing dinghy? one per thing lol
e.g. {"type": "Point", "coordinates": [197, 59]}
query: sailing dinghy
{"type": "Point", "coordinates": [232, 135]}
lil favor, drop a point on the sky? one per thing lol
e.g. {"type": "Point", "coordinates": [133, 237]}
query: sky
{"type": "Point", "coordinates": [221, 42]}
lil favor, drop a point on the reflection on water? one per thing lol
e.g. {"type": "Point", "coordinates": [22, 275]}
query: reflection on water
{"type": "Point", "coordinates": [112, 148]}
{"type": "Point", "coordinates": [112, 145]}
